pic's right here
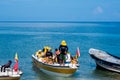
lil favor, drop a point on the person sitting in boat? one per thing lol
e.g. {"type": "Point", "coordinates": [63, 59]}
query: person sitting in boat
{"type": "Point", "coordinates": [50, 61]}
{"type": "Point", "coordinates": [68, 57]}
{"type": "Point", "coordinates": [49, 56]}
{"type": "Point", "coordinates": [6, 66]}
{"type": "Point", "coordinates": [44, 59]}
{"type": "Point", "coordinates": [46, 49]}
{"type": "Point", "coordinates": [74, 60]}
{"type": "Point", "coordinates": [49, 52]}
{"type": "Point", "coordinates": [57, 53]}
{"type": "Point", "coordinates": [47, 60]}
{"type": "Point", "coordinates": [39, 53]}
{"type": "Point", "coordinates": [63, 51]}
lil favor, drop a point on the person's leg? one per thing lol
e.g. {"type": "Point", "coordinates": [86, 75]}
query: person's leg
{"type": "Point", "coordinates": [4, 68]}
{"type": "Point", "coordinates": [62, 59]}
{"type": "Point", "coordinates": [1, 68]}
{"type": "Point", "coordinates": [60, 62]}
{"type": "Point", "coordinates": [58, 59]}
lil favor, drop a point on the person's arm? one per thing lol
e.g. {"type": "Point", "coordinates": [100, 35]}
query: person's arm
{"type": "Point", "coordinates": [60, 47]}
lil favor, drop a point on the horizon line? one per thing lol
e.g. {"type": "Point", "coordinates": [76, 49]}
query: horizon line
{"type": "Point", "coordinates": [57, 21]}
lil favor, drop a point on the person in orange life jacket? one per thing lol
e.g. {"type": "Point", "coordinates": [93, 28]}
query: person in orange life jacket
{"type": "Point", "coordinates": [63, 51]}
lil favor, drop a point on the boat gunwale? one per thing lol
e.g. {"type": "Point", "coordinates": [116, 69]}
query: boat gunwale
{"type": "Point", "coordinates": [95, 57]}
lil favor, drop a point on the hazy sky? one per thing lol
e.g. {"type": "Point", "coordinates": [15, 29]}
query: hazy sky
{"type": "Point", "coordinates": [59, 10]}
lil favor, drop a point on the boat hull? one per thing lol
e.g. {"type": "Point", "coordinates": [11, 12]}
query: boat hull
{"type": "Point", "coordinates": [54, 70]}
{"type": "Point", "coordinates": [9, 78]}
{"type": "Point", "coordinates": [10, 74]}
{"type": "Point", "coordinates": [107, 65]}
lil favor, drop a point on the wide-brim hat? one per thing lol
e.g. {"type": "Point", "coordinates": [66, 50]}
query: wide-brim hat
{"type": "Point", "coordinates": [63, 43]}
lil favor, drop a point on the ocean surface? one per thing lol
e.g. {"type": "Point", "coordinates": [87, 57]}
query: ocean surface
{"type": "Point", "coordinates": [26, 38]}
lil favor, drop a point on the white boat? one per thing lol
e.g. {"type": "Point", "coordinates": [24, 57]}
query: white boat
{"type": "Point", "coordinates": [55, 69]}
{"type": "Point", "coordinates": [10, 74]}
{"type": "Point", "coordinates": [105, 60]}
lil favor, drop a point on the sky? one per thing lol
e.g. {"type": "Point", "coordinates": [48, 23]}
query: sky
{"type": "Point", "coordinates": [60, 10]}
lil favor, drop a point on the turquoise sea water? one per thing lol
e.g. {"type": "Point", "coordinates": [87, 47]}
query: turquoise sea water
{"type": "Point", "coordinates": [26, 38]}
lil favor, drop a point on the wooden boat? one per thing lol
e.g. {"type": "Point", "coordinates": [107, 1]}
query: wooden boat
{"type": "Point", "coordinates": [10, 74]}
{"type": "Point", "coordinates": [55, 69]}
{"type": "Point", "coordinates": [105, 60]}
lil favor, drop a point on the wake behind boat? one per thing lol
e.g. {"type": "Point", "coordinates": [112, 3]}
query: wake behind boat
{"type": "Point", "coordinates": [52, 64]}
{"type": "Point", "coordinates": [105, 60]}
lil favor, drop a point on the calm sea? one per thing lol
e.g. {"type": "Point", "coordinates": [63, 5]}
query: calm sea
{"type": "Point", "coordinates": [26, 38]}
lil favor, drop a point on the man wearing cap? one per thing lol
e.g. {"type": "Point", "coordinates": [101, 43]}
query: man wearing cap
{"type": "Point", "coordinates": [63, 51]}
